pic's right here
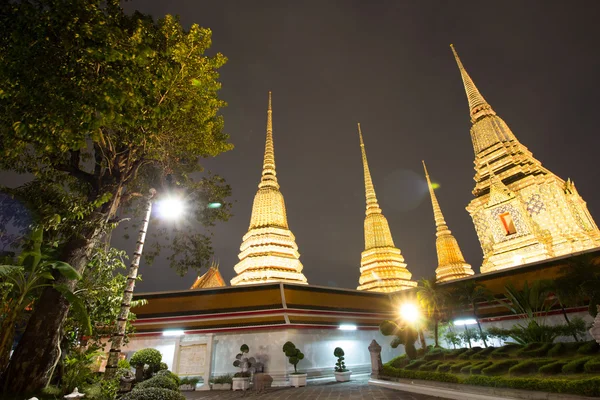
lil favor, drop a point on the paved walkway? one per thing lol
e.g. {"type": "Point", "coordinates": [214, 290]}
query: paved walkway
{"type": "Point", "coordinates": [356, 389]}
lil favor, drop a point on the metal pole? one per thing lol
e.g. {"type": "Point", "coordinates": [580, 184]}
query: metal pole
{"type": "Point", "coordinates": [119, 332]}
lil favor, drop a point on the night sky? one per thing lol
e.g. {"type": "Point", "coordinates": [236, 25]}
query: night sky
{"type": "Point", "coordinates": [388, 65]}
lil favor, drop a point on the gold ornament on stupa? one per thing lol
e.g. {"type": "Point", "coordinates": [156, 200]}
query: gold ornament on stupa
{"type": "Point", "coordinates": [522, 212]}
{"type": "Point", "coordinates": [382, 266]}
{"type": "Point", "coordinates": [269, 252]}
{"type": "Point", "coordinates": [451, 263]}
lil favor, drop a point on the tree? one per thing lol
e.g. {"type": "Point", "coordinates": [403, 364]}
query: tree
{"type": "Point", "coordinates": [432, 297]}
{"type": "Point", "coordinates": [578, 280]}
{"type": "Point", "coordinates": [98, 107]}
{"type": "Point", "coordinates": [404, 335]}
{"type": "Point", "coordinates": [469, 294]}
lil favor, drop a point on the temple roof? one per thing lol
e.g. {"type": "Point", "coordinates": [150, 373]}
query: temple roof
{"type": "Point", "coordinates": [211, 279]}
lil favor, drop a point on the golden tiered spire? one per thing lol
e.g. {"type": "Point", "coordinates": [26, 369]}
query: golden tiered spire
{"type": "Point", "coordinates": [382, 266]}
{"type": "Point", "coordinates": [269, 252]}
{"type": "Point", "coordinates": [451, 263]}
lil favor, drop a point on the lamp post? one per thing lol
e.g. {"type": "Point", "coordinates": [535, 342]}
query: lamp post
{"type": "Point", "coordinates": [119, 332]}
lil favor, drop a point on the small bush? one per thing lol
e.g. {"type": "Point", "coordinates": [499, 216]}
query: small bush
{"type": "Point", "coordinates": [459, 365]}
{"type": "Point", "coordinates": [444, 367]}
{"type": "Point", "coordinates": [576, 365]}
{"type": "Point", "coordinates": [222, 379]}
{"type": "Point", "coordinates": [528, 366]}
{"type": "Point", "coordinates": [552, 368]}
{"type": "Point", "coordinates": [556, 350]}
{"type": "Point", "coordinates": [151, 357]}
{"type": "Point", "coordinates": [124, 364]}
{"type": "Point", "coordinates": [399, 362]}
{"type": "Point", "coordinates": [584, 387]}
{"type": "Point", "coordinates": [593, 365]}
{"type": "Point", "coordinates": [476, 369]}
{"type": "Point", "coordinates": [159, 381]}
{"type": "Point", "coordinates": [428, 376]}
{"type": "Point", "coordinates": [538, 352]}
{"type": "Point", "coordinates": [483, 354]}
{"type": "Point", "coordinates": [416, 364]}
{"type": "Point", "coordinates": [499, 367]}
{"type": "Point", "coordinates": [452, 354]}
{"type": "Point", "coordinates": [466, 369]}
{"type": "Point", "coordinates": [528, 347]}
{"type": "Point", "coordinates": [169, 375]}
{"type": "Point", "coordinates": [504, 351]}
{"type": "Point", "coordinates": [435, 354]}
{"type": "Point", "coordinates": [430, 366]}
{"type": "Point", "coordinates": [467, 354]}
{"type": "Point", "coordinates": [590, 347]}
{"type": "Point", "coordinates": [153, 393]}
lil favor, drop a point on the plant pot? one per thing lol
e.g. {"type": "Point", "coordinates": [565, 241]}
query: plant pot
{"type": "Point", "coordinates": [221, 386]}
{"type": "Point", "coordinates": [241, 384]}
{"type": "Point", "coordinates": [187, 388]}
{"type": "Point", "coordinates": [342, 376]}
{"type": "Point", "coordinates": [297, 380]}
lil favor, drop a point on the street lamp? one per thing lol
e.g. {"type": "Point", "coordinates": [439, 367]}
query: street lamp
{"type": "Point", "coordinates": [170, 208]}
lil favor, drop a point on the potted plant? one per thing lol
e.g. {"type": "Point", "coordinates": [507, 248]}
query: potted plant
{"type": "Point", "coordinates": [342, 374]}
{"type": "Point", "coordinates": [188, 383]}
{"type": "Point", "coordinates": [150, 357]}
{"type": "Point", "coordinates": [240, 379]}
{"type": "Point", "coordinates": [294, 356]}
{"type": "Point", "coordinates": [222, 382]}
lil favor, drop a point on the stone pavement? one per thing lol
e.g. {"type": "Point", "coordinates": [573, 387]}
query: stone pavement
{"type": "Point", "coordinates": [356, 389]}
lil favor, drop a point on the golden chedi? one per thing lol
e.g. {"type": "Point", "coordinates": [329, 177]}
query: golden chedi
{"type": "Point", "coordinates": [269, 252]}
{"type": "Point", "coordinates": [451, 263]}
{"type": "Point", "coordinates": [382, 267]}
{"type": "Point", "coordinates": [522, 212]}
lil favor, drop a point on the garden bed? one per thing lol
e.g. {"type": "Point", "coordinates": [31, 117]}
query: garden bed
{"type": "Point", "coordinates": [557, 368]}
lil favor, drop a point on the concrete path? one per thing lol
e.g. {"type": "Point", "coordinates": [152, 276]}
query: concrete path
{"type": "Point", "coordinates": [356, 389]}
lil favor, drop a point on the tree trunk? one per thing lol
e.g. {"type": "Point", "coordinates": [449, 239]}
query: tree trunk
{"type": "Point", "coordinates": [422, 339]}
{"type": "Point", "coordinates": [7, 336]}
{"type": "Point", "coordinates": [435, 332]}
{"type": "Point", "coordinates": [564, 312]}
{"type": "Point", "coordinates": [481, 333]}
{"type": "Point", "coordinates": [36, 354]}
{"type": "Point", "coordinates": [468, 336]}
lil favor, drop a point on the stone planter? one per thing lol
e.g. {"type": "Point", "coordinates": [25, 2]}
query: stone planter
{"type": "Point", "coordinates": [221, 386]}
{"type": "Point", "coordinates": [297, 380]}
{"type": "Point", "coordinates": [342, 376]}
{"type": "Point", "coordinates": [241, 383]}
{"type": "Point", "coordinates": [187, 388]}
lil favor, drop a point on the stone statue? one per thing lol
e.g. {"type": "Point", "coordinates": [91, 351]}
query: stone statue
{"type": "Point", "coordinates": [376, 364]}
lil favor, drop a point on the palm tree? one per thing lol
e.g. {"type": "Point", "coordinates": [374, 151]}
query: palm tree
{"type": "Point", "coordinates": [567, 293]}
{"type": "Point", "coordinates": [469, 295]}
{"type": "Point", "coordinates": [432, 297]}
{"type": "Point", "coordinates": [583, 274]}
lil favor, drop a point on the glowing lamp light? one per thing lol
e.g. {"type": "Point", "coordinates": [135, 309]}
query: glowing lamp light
{"type": "Point", "coordinates": [174, 332]}
{"type": "Point", "coordinates": [347, 327]}
{"type": "Point", "coordinates": [170, 208]}
{"type": "Point", "coordinates": [460, 322]}
{"type": "Point", "coordinates": [214, 205]}
{"type": "Point", "coordinates": [409, 312]}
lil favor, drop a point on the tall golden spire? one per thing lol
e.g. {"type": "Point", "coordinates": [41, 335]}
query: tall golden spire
{"type": "Point", "coordinates": [477, 104]}
{"type": "Point", "coordinates": [451, 263]}
{"type": "Point", "coordinates": [269, 252]}
{"type": "Point", "coordinates": [382, 266]}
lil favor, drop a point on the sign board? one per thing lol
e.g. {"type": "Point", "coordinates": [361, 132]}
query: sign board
{"type": "Point", "coordinates": [192, 359]}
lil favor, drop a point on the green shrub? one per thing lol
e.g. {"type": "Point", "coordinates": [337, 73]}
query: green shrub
{"type": "Point", "coordinates": [593, 365]}
{"type": "Point", "coordinates": [153, 393]}
{"type": "Point", "coordinates": [504, 351]}
{"type": "Point", "coordinates": [556, 350]}
{"type": "Point", "coordinates": [170, 375]}
{"type": "Point", "coordinates": [466, 369]}
{"type": "Point", "coordinates": [476, 369]}
{"type": "Point", "coordinates": [222, 379]}
{"type": "Point", "coordinates": [399, 362]}
{"type": "Point", "coordinates": [435, 354]}
{"type": "Point", "coordinates": [428, 376]}
{"type": "Point", "coordinates": [430, 366]}
{"type": "Point", "coordinates": [499, 367]}
{"type": "Point", "coordinates": [459, 365]}
{"type": "Point", "coordinates": [483, 354]}
{"type": "Point", "coordinates": [590, 347]}
{"type": "Point", "coordinates": [528, 366]}
{"type": "Point", "coordinates": [124, 364]}
{"type": "Point", "coordinates": [576, 365]}
{"type": "Point", "coordinates": [455, 353]}
{"type": "Point", "coordinates": [467, 354]}
{"type": "Point", "coordinates": [552, 368]}
{"type": "Point", "coordinates": [538, 352]}
{"type": "Point", "coordinates": [584, 387]}
{"type": "Point", "coordinates": [416, 364]}
{"type": "Point", "coordinates": [445, 367]}
{"type": "Point", "coordinates": [159, 381]}
{"type": "Point", "coordinates": [528, 347]}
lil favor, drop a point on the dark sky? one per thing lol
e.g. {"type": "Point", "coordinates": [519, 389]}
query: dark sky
{"type": "Point", "coordinates": [388, 65]}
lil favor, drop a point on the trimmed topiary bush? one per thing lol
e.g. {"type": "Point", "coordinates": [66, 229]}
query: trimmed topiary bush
{"type": "Point", "coordinates": [428, 376]}
{"type": "Point", "coordinates": [430, 366]}
{"type": "Point", "coordinates": [476, 369]}
{"type": "Point", "coordinates": [150, 357]}
{"type": "Point", "coordinates": [467, 354]}
{"type": "Point", "coordinates": [452, 354]}
{"type": "Point", "coordinates": [459, 365]}
{"type": "Point", "coordinates": [528, 366]}
{"type": "Point", "coordinates": [153, 393]}
{"type": "Point", "coordinates": [504, 351]}
{"type": "Point", "coordinates": [538, 352]}
{"type": "Point", "coordinates": [416, 364]}
{"type": "Point", "coordinates": [593, 365]}
{"type": "Point", "coordinates": [435, 354]}
{"type": "Point", "coordinates": [556, 350]}
{"type": "Point", "coordinates": [170, 375]}
{"type": "Point", "coordinates": [576, 365]}
{"type": "Point", "coordinates": [445, 367]}
{"type": "Point", "coordinates": [552, 368]}
{"type": "Point", "coordinates": [483, 354]}
{"type": "Point", "coordinates": [590, 347]}
{"type": "Point", "coordinates": [399, 362]}
{"type": "Point", "coordinates": [499, 367]}
{"type": "Point", "coordinates": [293, 354]}
{"type": "Point", "coordinates": [528, 347]}
{"type": "Point", "coordinates": [584, 387]}
{"type": "Point", "coordinates": [159, 381]}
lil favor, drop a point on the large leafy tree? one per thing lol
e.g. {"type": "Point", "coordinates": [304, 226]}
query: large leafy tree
{"type": "Point", "coordinates": [97, 107]}
{"type": "Point", "coordinates": [468, 295]}
{"type": "Point", "coordinates": [433, 298]}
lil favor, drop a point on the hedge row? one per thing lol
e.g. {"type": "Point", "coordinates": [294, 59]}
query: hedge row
{"type": "Point", "coordinates": [427, 376]}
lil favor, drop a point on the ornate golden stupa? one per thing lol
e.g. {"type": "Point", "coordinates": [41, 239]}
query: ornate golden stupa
{"type": "Point", "coordinates": [382, 267]}
{"type": "Point", "coordinates": [268, 252]}
{"type": "Point", "coordinates": [522, 212]}
{"type": "Point", "coordinates": [211, 278]}
{"type": "Point", "coordinates": [451, 263]}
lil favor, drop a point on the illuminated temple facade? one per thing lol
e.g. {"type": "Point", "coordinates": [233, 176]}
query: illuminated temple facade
{"type": "Point", "coordinates": [522, 212]}
{"type": "Point", "coordinates": [451, 263]}
{"type": "Point", "coordinates": [269, 252]}
{"type": "Point", "coordinates": [382, 266]}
